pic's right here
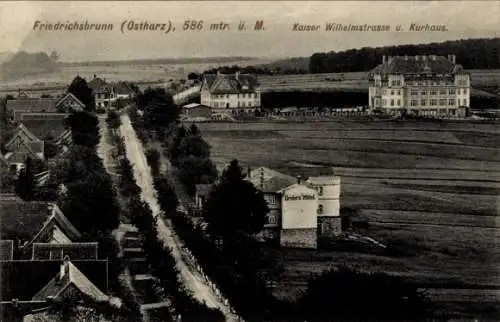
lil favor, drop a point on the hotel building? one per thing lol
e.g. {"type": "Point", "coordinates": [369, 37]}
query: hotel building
{"type": "Point", "coordinates": [230, 92]}
{"type": "Point", "coordinates": [433, 86]}
{"type": "Point", "coordinates": [300, 211]}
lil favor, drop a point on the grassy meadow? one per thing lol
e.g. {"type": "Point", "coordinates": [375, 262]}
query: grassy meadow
{"type": "Point", "coordinates": [432, 187]}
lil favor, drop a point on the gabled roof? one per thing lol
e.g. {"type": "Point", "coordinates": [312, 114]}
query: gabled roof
{"type": "Point", "coordinates": [23, 279]}
{"type": "Point", "coordinates": [415, 65]}
{"type": "Point", "coordinates": [268, 180]}
{"type": "Point", "coordinates": [25, 220]}
{"type": "Point", "coordinates": [43, 128]}
{"type": "Point", "coordinates": [78, 250]}
{"type": "Point", "coordinates": [230, 83]}
{"type": "Point", "coordinates": [122, 88]}
{"type": "Point", "coordinates": [22, 130]}
{"type": "Point", "coordinates": [71, 276]}
{"type": "Point", "coordinates": [70, 97]}
{"type": "Point", "coordinates": [96, 83]}
{"type": "Point", "coordinates": [35, 105]}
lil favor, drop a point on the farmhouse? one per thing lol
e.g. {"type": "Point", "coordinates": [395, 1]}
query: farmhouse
{"type": "Point", "coordinates": [233, 93]}
{"type": "Point", "coordinates": [420, 85]}
{"type": "Point", "coordinates": [107, 94]}
{"type": "Point", "coordinates": [22, 145]}
{"type": "Point", "coordinates": [36, 230]}
{"type": "Point", "coordinates": [43, 108]}
{"type": "Point", "coordinates": [29, 287]}
{"type": "Point", "coordinates": [300, 212]}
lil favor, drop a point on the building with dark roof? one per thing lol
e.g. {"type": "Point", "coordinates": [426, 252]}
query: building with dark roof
{"type": "Point", "coordinates": [31, 286]}
{"type": "Point", "coordinates": [231, 92]}
{"type": "Point", "coordinates": [43, 108]}
{"type": "Point", "coordinates": [300, 211]}
{"type": "Point", "coordinates": [420, 85]}
{"type": "Point", "coordinates": [107, 94]}
{"type": "Point", "coordinates": [39, 230]}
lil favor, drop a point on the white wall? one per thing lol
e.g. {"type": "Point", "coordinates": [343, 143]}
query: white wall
{"type": "Point", "coordinates": [297, 210]}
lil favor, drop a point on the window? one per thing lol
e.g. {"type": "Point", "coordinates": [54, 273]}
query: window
{"type": "Point", "coordinates": [392, 92]}
{"type": "Point", "coordinates": [271, 219]}
{"type": "Point", "coordinates": [320, 209]}
{"type": "Point", "coordinates": [271, 199]}
{"type": "Point", "coordinates": [433, 92]}
{"type": "Point", "coordinates": [399, 102]}
{"type": "Point", "coordinates": [464, 91]}
{"type": "Point", "coordinates": [423, 93]}
{"type": "Point", "coordinates": [320, 191]}
{"type": "Point", "coordinates": [465, 102]}
{"type": "Point", "coordinates": [384, 102]}
{"type": "Point", "coordinates": [442, 102]}
{"type": "Point", "coordinates": [414, 103]}
{"type": "Point", "coordinates": [384, 92]}
{"type": "Point", "coordinates": [414, 93]}
{"type": "Point", "coordinates": [399, 92]}
{"type": "Point", "coordinates": [433, 102]}
{"type": "Point", "coordinates": [442, 92]}
{"type": "Point", "coordinates": [423, 102]}
{"type": "Point", "coordinates": [392, 102]}
{"type": "Point", "coordinates": [452, 92]}
{"type": "Point", "coordinates": [451, 101]}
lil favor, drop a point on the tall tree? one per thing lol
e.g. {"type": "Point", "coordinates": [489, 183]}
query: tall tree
{"type": "Point", "coordinates": [25, 187]}
{"type": "Point", "coordinates": [360, 296]}
{"type": "Point", "coordinates": [235, 205]}
{"type": "Point", "coordinates": [83, 92]}
{"type": "Point", "coordinates": [84, 129]}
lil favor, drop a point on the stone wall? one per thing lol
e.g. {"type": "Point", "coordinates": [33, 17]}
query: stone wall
{"type": "Point", "coordinates": [330, 226]}
{"type": "Point", "coordinates": [299, 238]}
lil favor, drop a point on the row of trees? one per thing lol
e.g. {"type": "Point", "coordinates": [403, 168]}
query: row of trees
{"type": "Point", "coordinates": [190, 154]}
{"type": "Point", "coordinates": [470, 53]}
{"type": "Point", "coordinates": [159, 256]}
{"type": "Point", "coordinates": [90, 199]}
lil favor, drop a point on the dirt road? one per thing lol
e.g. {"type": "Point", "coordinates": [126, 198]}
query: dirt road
{"type": "Point", "coordinates": [192, 278]}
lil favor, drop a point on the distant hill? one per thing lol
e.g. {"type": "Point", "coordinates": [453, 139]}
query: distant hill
{"type": "Point", "coordinates": [22, 64]}
{"type": "Point", "coordinates": [159, 61]}
{"type": "Point", "coordinates": [470, 53]}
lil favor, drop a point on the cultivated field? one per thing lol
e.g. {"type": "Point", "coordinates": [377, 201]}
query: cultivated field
{"type": "Point", "coordinates": [432, 188]}
{"type": "Point", "coordinates": [356, 82]}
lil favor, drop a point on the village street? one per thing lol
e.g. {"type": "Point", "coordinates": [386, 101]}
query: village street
{"type": "Point", "coordinates": [191, 277]}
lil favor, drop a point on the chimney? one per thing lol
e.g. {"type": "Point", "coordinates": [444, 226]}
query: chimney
{"type": "Point", "coordinates": [248, 172]}
{"type": "Point", "coordinates": [95, 76]}
{"type": "Point", "coordinates": [453, 58]}
{"type": "Point", "coordinates": [384, 58]}
{"type": "Point", "coordinates": [237, 75]}
{"type": "Point", "coordinates": [299, 179]}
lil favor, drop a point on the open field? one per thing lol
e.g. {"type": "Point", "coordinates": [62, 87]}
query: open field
{"type": "Point", "coordinates": [432, 188]}
{"type": "Point", "coordinates": [357, 81]}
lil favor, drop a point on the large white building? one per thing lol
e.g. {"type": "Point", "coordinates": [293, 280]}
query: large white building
{"type": "Point", "coordinates": [230, 93]}
{"type": "Point", "coordinates": [420, 85]}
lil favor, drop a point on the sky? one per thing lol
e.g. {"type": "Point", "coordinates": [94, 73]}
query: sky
{"type": "Point", "coordinates": [463, 19]}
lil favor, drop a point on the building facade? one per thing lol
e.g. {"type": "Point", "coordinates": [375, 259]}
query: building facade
{"type": "Point", "coordinates": [300, 212]}
{"type": "Point", "coordinates": [231, 93]}
{"type": "Point", "coordinates": [433, 86]}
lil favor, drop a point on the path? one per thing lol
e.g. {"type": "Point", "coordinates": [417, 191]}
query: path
{"type": "Point", "coordinates": [191, 278]}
